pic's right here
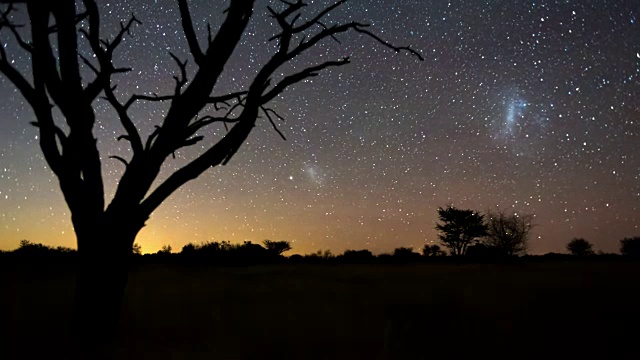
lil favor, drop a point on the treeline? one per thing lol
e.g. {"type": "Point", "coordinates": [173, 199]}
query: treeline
{"type": "Point", "coordinates": [272, 252]}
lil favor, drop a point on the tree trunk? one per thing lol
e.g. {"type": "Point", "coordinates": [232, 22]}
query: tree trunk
{"type": "Point", "coordinates": [101, 280]}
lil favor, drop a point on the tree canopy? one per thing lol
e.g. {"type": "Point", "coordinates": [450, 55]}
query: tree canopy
{"type": "Point", "coordinates": [459, 228]}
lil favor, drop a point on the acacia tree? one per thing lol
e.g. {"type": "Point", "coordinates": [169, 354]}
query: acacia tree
{"type": "Point", "coordinates": [105, 232]}
{"type": "Point", "coordinates": [508, 233]}
{"type": "Point", "coordinates": [277, 247]}
{"type": "Point", "coordinates": [459, 228]}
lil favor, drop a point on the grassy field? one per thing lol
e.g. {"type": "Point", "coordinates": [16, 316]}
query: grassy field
{"type": "Point", "coordinates": [424, 311]}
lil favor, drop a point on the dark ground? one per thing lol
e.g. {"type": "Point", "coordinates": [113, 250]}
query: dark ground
{"type": "Point", "coordinates": [426, 311]}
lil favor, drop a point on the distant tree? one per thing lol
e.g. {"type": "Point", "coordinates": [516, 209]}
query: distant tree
{"type": "Point", "coordinates": [277, 247]}
{"type": "Point", "coordinates": [136, 249]}
{"type": "Point", "coordinates": [432, 251]}
{"type": "Point", "coordinates": [188, 249]}
{"type": "Point", "coordinates": [630, 246]}
{"type": "Point", "coordinates": [320, 255]}
{"type": "Point", "coordinates": [459, 228]}
{"type": "Point", "coordinates": [580, 247]}
{"type": "Point", "coordinates": [405, 254]}
{"type": "Point", "coordinates": [357, 256]}
{"type": "Point", "coordinates": [166, 249]}
{"type": "Point", "coordinates": [65, 250]}
{"type": "Point", "coordinates": [508, 233]}
{"type": "Point", "coordinates": [29, 248]}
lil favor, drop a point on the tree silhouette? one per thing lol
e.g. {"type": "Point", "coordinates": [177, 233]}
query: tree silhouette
{"type": "Point", "coordinates": [630, 246]}
{"type": "Point", "coordinates": [55, 89]}
{"type": "Point", "coordinates": [357, 256]}
{"type": "Point", "coordinates": [166, 249]}
{"type": "Point", "coordinates": [277, 247]}
{"type": "Point", "coordinates": [459, 228]}
{"type": "Point", "coordinates": [508, 233]}
{"type": "Point", "coordinates": [405, 254]}
{"type": "Point", "coordinates": [580, 247]}
{"type": "Point", "coordinates": [432, 250]}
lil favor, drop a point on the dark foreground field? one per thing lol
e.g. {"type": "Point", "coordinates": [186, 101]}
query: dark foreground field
{"type": "Point", "coordinates": [425, 311]}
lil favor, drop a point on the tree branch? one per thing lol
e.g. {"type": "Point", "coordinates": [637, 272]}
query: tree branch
{"type": "Point", "coordinates": [297, 77]}
{"type": "Point", "coordinates": [122, 160]}
{"type": "Point", "coordinates": [13, 28]}
{"type": "Point", "coordinates": [266, 112]}
{"type": "Point", "coordinates": [360, 29]}
{"type": "Point", "coordinates": [181, 80]}
{"type": "Point", "coordinates": [133, 134]}
{"type": "Point", "coordinates": [189, 33]}
{"type": "Point", "coordinates": [103, 49]}
{"type": "Point", "coordinates": [218, 154]}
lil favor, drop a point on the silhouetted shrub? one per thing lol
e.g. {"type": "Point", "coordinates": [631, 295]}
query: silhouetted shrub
{"type": "Point", "coordinates": [319, 256]}
{"type": "Point", "coordinates": [433, 251]}
{"type": "Point", "coordinates": [405, 254]}
{"type": "Point", "coordinates": [42, 253]}
{"type": "Point", "coordinates": [357, 256]}
{"type": "Point", "coordinates": [229, 254]}
{"type": "Point", "coordinates": [580, 247]}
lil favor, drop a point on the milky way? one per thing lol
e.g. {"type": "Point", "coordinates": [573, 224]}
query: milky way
{"type": "Point", "coordinates": [532, 106]}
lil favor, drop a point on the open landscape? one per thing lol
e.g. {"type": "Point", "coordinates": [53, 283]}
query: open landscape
{"type": "Point", "coordinates": [525, 309]}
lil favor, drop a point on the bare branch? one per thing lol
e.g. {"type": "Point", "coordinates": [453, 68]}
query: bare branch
{"type": "Point", "coordinates": [310, 23]}
{"type": "Point", "coordinates": [103, 49]}
{"type": "Point", "coordinates": [189, 33]}
{"type": "Point", "coordinates": [360, 29]}
{"type": "Point", "coordinates": [297, 77]}
{"type": "Point", "coordinates": [218, 154]}
{"type": "Point", "coordinates": [16, 77]}
{"type": "Point", "coordinates": [122, 160]}
{"type": "Point", "coordinates": [182, 79]}
{"type": "Point", "coordinates": [79, 17]}
{"type": "Point", "coordinates": [152, 137]}
{"type": "Point", "coordinates": [133, 136]}
{"type": "Point", "coordinates": [207, 120]}
{"type": "Point", "coordinates": [191, 141]}
{"type": "Point", "coordinates": [90, 65]}
{"type": "Point", "coordinates": [154, 97]}
{"type": "Point", "coordinates": [266, 112]}
{"type": "Point", "coordinates": [215, 100]}
{"type": "Point", "coordinates": [13, 28]}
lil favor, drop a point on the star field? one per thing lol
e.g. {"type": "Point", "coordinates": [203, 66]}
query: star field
{"type": "Point", "coordinates": [532, 106]}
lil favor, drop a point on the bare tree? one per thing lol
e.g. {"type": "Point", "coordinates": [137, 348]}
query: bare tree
{"type": "Point", "coordinates": [459, 228]}
{"type": "Point", "coordinates": [106, 232]}
{"type": "Point", "coordinates": [508, 233]}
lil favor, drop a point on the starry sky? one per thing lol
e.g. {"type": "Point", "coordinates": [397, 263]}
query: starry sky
{"type": "Point", "coordinates": [529, 106]}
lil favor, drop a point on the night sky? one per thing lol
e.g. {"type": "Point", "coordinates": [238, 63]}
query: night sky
{"type": "Point", "coordinates": [529, 106]}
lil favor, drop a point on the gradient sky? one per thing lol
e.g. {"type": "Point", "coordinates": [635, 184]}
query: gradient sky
{"type": "Point", "coordinates": [530, 106]}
